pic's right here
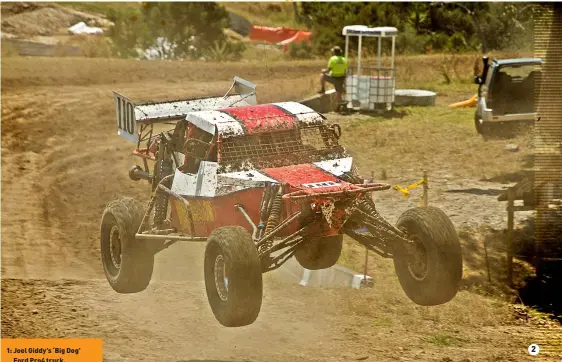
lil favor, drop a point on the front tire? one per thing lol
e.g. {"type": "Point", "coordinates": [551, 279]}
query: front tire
{"type": "Point", "coordinates": [431, 273]}
{"type": "Point", "coordinates": [128, 263]}
{"type": "Point", "coordinates": [233, 276]}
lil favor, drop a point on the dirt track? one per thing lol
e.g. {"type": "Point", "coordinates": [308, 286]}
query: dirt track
{"type": "Point", "coordinates": [62, 162]}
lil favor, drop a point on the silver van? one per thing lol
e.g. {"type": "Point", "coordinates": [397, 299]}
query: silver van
{"type": "Point", "coordinates": [506, 94]}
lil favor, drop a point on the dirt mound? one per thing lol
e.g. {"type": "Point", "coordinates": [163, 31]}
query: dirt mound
{"type": "Point", "coordinates": [42, 21]}
{"type": "Point", "coordinates": [9, 9]}
{"type": "Point", "coordinates": [32, 19]}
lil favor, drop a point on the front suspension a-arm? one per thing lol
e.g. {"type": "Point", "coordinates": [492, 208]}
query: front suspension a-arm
{"type": "Point", "coordinates": [383, 238]}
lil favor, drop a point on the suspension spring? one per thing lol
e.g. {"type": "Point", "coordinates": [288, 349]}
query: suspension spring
{"type": "Point", "coordinates": [274, 216]}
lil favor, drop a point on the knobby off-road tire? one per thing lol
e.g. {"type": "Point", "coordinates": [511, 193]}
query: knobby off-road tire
{"type": "Point", "coordinates": [128, 263]}
{"type": "Point", "coordinates": [438, 246]}
{"type": "Point", "coordinates": [319, 253]}
{"type": "Point", "coordinates": [233, 276]}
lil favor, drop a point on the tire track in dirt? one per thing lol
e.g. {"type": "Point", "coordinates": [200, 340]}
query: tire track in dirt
{"type": "Point", "coordinates": [60, 154]}
{"type": "Point", "coordinates": [173, 317]}
{"type": "Point", "coordinates": [172, 321]}
{"type": "Point", "coordinates": [31, 247]}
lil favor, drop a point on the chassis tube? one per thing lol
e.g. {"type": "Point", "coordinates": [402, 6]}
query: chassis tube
{"type": "Point", "coordinates": [184, 202]}
{"type": "Point", "coordinates": [247, 217]}
{"type": "Point", "coordinates": [170, 237]}
{"type": "Point", "coordinates": [279, 227]}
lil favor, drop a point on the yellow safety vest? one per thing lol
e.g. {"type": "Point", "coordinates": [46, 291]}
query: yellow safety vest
{"type": "Point", "coordinates": [338, 66]}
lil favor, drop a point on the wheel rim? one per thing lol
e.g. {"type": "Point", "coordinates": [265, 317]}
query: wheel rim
{"type": "Point", "coordinates": [417, 264]}
{"type": "Point", "coordinates": [221, 280]}
{"type": "Point", "coordinates": [115, 247]}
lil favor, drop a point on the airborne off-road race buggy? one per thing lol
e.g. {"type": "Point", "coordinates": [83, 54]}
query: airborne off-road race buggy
{"type": "Point", "coordinates": [259, 183]}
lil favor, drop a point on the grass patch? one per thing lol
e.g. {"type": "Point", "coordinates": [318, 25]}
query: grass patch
{"type": "Point", "coordinates": [259, 65]}
{"type": "Point", "coordinates": [382, 322]}
{"type": "Point", "coordinates": [443, 340]}
{"type": "Point", "coordinates": [438, 139]}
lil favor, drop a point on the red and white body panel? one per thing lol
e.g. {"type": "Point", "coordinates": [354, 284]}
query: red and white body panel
{"type": "Point", "coordinates": [213, 195]}
{"type": "Point", "coordinates": [239, 121]}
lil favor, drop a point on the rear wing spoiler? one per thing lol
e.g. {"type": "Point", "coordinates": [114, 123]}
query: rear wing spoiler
{"type": "Point", "coordinates": [129, 115]}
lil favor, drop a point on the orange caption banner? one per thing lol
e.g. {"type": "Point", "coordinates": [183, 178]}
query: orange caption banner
{"type": "Point", "coordinates": [52, 350]}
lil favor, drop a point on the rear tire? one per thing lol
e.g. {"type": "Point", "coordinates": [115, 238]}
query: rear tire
{"type": "Point", "coordinates": [128, 263]}
{"type": "Point", "coordinates": [432, 274]}
{"type": "Point", "coordinates": [500, 130]}
{"type": "Point", "coordinates": [478, 125]}
{"type": "Point", "coordinates": [320, 253]}
{"type": "Point", "coordinates": [233, 276]}
{"type": "Point", "coordinates": [485, 130]}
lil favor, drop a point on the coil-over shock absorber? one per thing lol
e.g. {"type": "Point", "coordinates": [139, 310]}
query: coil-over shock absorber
{"type": "Point", "coordinates": [162, 168]}
{"type": "Point", "coordinates": [274, 215]}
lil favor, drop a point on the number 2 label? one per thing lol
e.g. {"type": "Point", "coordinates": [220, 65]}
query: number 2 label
{"type": "Point", "coordinates": [533, 349]}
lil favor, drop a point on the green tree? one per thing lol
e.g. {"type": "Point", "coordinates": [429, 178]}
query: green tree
{"type": "Point", "coordinates": [191, 27]}
{"type": "Point", "coordinates": [423, 26]}
{"type": "Point", "coordinates": [128, 32]}
{"type": "Point", "coordinates": [176, 29]}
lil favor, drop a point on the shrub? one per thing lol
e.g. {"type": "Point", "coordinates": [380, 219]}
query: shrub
{"type": "Point", "coordinates": [225, 51]}
{"type": "Point", "coordinates": [410, 42]}
{"type": "Point", "coordinates": [300, 50]}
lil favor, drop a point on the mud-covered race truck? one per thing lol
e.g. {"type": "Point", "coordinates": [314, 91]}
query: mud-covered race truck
{"type": "Point", "coordinates": [259, 183]}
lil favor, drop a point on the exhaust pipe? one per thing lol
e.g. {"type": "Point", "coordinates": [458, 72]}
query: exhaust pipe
{"type": "Point", "coordinates": [136, 173]}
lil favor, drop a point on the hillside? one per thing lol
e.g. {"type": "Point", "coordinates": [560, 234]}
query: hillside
{"type": "Point", "coordinates": [41, 25]}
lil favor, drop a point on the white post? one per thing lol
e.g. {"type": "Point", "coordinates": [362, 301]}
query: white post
{"type": "Point", "coordinates": [392, 74]}
{"type": "Point", "coordinates": [348, 81]}
{"type": "Point", "coordinates": [379, 53]}
{"type": "Point", "coordinates": [392, 56]}
{"type": "Point", "coordinates": [359, 59]}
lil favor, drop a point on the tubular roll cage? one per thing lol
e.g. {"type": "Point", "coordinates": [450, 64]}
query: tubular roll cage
{"type": "Point", "coordinates": [383, 238]}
